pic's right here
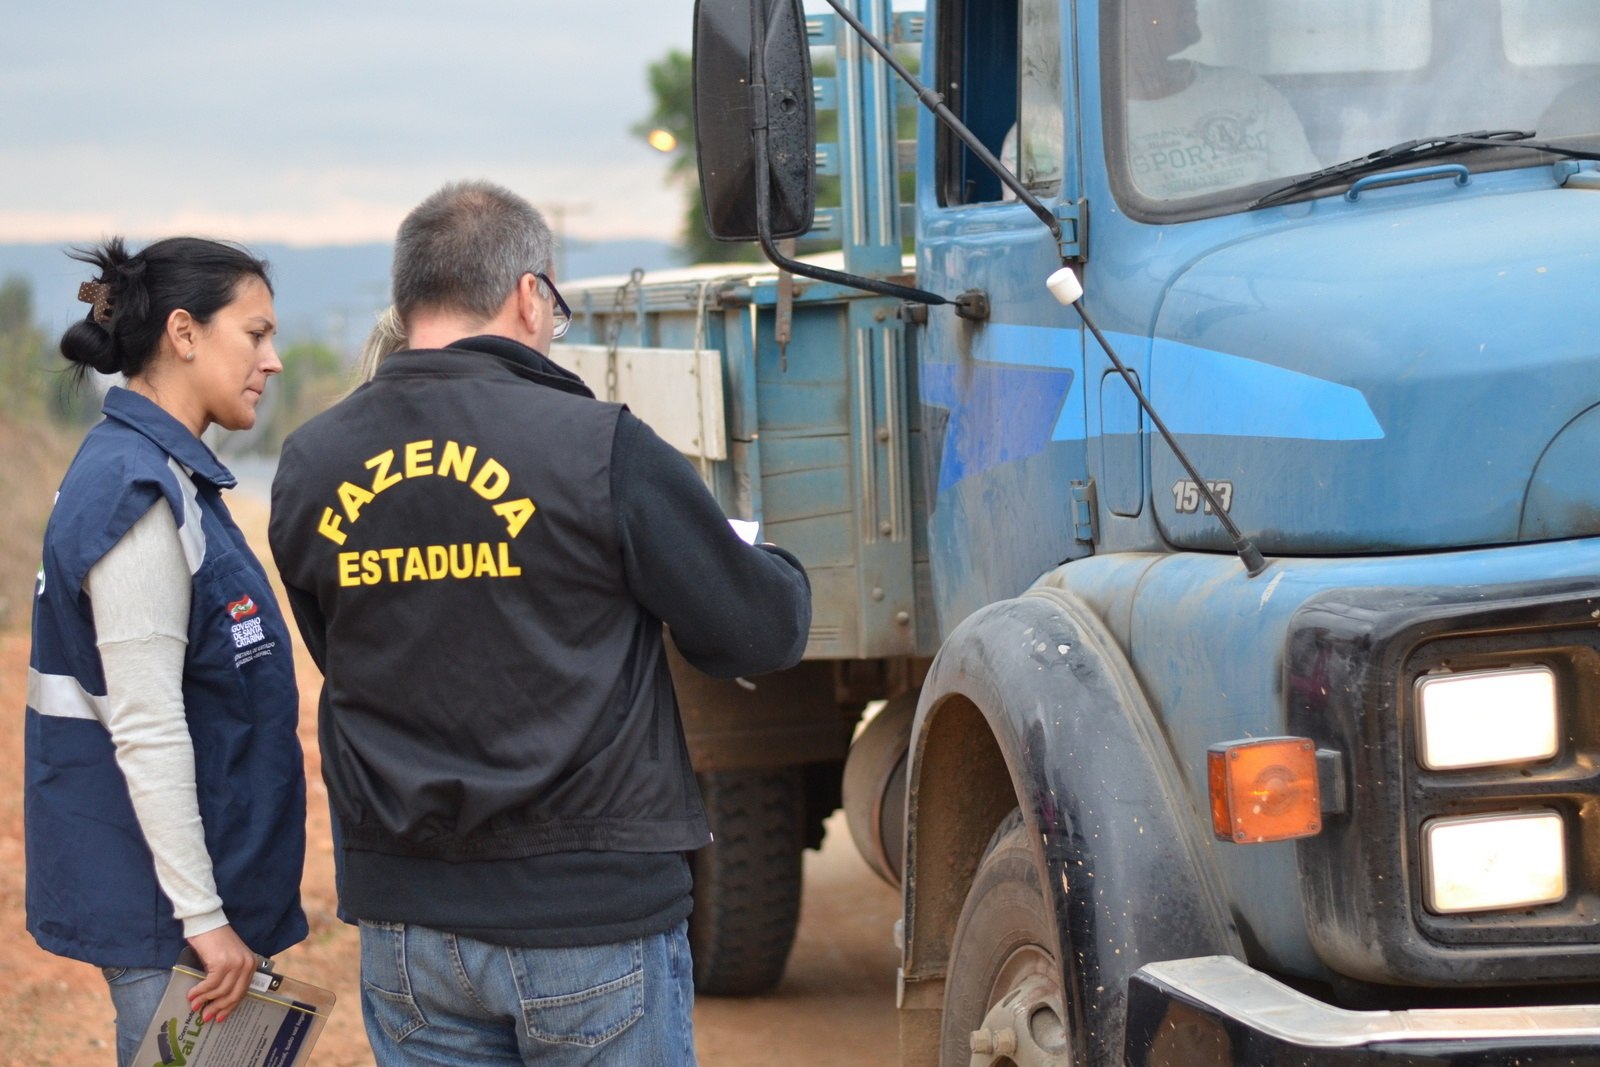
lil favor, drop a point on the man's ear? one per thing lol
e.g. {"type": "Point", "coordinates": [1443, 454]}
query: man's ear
{"type": "Point", "coordinates": [530, 309]}
{"type": "Point", "coordinates": [183, 333]}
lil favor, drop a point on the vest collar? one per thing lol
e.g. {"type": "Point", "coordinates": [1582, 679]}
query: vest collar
{"type": "Point", "coordinates": [524, 362]}
{"type": "Point", "coordinates": [173, 437]}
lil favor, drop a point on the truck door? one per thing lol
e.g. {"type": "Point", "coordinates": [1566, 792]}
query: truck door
{"type": "Point", "coordinates": [1004, 399]}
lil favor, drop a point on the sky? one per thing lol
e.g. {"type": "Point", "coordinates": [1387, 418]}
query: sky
{"type": "Point", "coordinates": [318, 122]}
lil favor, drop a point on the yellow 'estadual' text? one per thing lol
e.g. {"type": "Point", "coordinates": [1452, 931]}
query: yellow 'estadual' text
{"type": "Point", "coordinates": [427, 563]}
{"type": "Point", "coordinates": [488, 478]}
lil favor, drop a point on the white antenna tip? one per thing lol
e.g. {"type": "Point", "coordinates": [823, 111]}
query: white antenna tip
{"type": "Point", "coordinates": [1064, 286]}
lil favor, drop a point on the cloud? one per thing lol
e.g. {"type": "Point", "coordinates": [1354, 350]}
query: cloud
{"type": "Point", "coordinates": [325, 205]}
{"type": "Point", "coordinates": [309, 124]}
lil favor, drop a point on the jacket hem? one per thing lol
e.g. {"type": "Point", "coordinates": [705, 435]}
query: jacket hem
{"type": "Point", "coordinates": [570, 835]}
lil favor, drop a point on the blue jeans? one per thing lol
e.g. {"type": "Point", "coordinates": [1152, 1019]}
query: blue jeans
{"type": "Point", "coordinates": [136, 993]}
{"type": "Point", "coordinates": [430, 997]}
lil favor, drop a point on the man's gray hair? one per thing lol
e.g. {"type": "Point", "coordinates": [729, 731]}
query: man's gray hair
{"type": "Point", "coordinates": [463, 249]}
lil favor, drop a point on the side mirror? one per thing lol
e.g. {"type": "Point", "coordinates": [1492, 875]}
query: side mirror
{"type": "Point", "coordinates": [727, 113]}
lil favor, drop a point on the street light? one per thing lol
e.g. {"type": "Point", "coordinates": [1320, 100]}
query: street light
{"type": "Point", "coordinates": [661, 140]}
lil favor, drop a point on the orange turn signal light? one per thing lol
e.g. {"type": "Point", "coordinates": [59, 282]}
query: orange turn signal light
{"type": "Point", "coordinates": [1264, 790]}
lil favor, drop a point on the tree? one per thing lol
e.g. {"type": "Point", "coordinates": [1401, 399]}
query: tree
{"type": "Point", "coordinates": [313, 377]}
{"type": "Point", "coordinates": [32, 387]}
{"type": "Point", "coordinates": [672, 84]}
{"type": "Point", "coordinates": [21, 351]}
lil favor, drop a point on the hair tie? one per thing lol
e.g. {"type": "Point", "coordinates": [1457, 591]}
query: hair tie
{"type": "Point", "coordinates": [98, 294]}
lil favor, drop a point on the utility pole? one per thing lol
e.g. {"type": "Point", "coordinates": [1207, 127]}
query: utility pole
{"type": "Point", "coordinates": [558, 212]}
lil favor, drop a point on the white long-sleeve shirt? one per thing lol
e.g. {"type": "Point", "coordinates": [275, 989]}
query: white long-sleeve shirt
{"type": "Point", "coordinates": [139, 593]}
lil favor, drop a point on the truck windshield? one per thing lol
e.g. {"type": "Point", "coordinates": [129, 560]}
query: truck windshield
{"type": "Point", "coordinates": [1211, 102]}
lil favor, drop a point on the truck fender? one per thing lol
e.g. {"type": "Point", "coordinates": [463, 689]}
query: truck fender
{"type": "Point", "coordinates": [1031, 704]}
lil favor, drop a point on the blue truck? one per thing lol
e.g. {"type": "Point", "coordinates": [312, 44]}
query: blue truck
{"type": "Point", "coordinates": [1228, 605]}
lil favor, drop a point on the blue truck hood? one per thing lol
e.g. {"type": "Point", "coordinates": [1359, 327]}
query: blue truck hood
{"type": "Point", "coordinates": [1391, 377]}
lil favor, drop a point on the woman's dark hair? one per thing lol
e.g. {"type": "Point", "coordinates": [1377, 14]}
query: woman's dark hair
{"type": "Point", "coordinates": [122, 333]}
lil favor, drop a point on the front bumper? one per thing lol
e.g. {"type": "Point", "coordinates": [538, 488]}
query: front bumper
{"type": "Point", "coordinates": [1214, 1011]}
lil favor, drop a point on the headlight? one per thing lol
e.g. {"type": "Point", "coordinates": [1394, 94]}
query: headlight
{"type": "Point", "coordinates": [1485, 718]}
{"type": "Point", "coordinates": [1483, 862]}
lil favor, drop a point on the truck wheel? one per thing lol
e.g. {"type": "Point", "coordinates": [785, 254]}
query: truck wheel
{"type": "Point", "coordinates": [1003, 1001]}
{"type": "Point", "coordinates": [747, 881]}
{"type": "Point", "coordinates": [873, 792]}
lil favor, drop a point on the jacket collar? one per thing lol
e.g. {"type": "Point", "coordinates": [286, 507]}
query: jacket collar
{"type": "Point", "coordinates": [173, 437]}
{"type": "Point", "coordinates": [524, 362]}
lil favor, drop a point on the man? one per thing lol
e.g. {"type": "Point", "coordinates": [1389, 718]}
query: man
{"type": "Point", "coordinates": [1193, 128]}
{"type": "Point", "coordinates": [481, 557]}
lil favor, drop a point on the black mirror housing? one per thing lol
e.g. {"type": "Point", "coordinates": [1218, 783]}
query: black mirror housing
{"type": "Point", "coordinates": [727, 112]}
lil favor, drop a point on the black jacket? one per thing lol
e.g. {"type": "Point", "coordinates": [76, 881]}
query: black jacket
{"type": "Point", "coordinates": [481, 556]}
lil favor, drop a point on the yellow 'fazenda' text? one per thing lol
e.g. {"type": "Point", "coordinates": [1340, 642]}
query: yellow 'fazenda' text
{"type": "Point", "coordinates": [416, 459]}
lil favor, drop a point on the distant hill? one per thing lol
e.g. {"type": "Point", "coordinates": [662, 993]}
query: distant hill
{"type": "Point", "coordinates": [329, 293]}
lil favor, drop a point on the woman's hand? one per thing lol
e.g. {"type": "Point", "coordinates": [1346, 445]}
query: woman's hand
{"type": "Point", "coordinates": [229, 963]}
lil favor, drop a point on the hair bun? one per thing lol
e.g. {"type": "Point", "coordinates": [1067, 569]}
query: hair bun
{"type": "Point", "coordinates": [90, 344]}
{"type": "Point", "coordinates": [118, 288]}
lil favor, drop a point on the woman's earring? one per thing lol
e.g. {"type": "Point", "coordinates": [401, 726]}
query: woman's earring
{"type": "Point", "coordinates": [188, 357]}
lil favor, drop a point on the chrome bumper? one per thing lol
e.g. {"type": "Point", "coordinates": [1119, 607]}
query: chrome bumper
{"type": "Point", "coordinates": [1215, 1011]}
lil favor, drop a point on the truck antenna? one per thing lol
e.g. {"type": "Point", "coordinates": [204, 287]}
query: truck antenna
{"type": "Point", "coordinates": [1065, 287]}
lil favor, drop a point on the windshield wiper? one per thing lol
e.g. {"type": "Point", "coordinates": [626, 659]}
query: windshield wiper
{"type": "Point", "coordinates": [1422, 148]}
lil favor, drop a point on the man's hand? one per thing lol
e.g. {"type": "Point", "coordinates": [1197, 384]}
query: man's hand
{"type": "Point", "coordinates": [229, 963]}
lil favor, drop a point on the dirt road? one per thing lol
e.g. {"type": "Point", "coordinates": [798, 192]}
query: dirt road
{"type": "Point", "coordinates": [835, 1007]}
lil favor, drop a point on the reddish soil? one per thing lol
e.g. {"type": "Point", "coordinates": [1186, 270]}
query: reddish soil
{"type": "Point", "coordinates": [835, 1007]}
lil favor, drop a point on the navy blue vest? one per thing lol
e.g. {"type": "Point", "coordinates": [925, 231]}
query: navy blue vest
{"type": "Point", "coordinates": [91, 883]}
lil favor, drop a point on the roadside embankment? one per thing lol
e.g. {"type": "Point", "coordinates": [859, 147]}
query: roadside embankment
{"type": "Point", "coordinates": [33, 457]}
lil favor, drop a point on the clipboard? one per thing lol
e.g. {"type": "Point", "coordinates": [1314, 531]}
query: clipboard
{"type": "Point", "coordinates": [275, 1025]}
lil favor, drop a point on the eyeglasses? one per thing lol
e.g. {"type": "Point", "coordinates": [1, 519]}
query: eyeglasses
{"type": "Point", "coordinates": [563, 314]}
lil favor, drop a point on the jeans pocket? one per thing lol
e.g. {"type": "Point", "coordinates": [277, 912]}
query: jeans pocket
{"type": "Point", "coordinates": [579, 996]}
{"type": "Point", "coordinates": [113, 973]}
{"type": "Point", "coordinates": [385, 983]}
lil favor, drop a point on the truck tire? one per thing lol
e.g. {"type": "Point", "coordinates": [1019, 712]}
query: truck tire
{"type": "Point", "coordinates": [1003, 1001]}
{"type": "Point", "coordinates": [873, 792]}
{"type": "Point", "coordinates": [747, 881]}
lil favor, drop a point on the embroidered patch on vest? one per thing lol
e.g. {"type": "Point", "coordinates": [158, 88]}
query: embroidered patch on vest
{"type": "Point", "coordinates": [247, 630]}
{"type": "Point", "coordinates": [248, 633]}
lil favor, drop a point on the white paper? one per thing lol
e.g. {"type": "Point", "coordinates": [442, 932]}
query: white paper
{"type": "Point", "coordinates": [747, 531]}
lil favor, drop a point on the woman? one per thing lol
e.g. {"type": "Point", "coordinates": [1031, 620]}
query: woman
{"type": "Point", "coordinates": [165, 793]}
{"type": "Point", "coordinates": [388, 336]}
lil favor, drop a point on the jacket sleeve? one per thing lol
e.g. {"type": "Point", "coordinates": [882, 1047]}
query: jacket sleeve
{"type": "Point", "coordinates": [288, 555]}
{"type": "Point", "coordinates": [313, 627]}
{"type": "Point", "coordinates": [734, 609]}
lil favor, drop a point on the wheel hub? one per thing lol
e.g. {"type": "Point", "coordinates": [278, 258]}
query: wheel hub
{"type": "Point", "coordinates": [1026, 1027]}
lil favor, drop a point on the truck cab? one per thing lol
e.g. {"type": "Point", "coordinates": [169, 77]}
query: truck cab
{"type": "Point", "coordinates": [1149, 803]}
